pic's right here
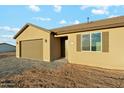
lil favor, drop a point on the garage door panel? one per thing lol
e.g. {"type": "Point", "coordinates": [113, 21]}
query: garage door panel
{"type": "Point", "coordinates": [32, 49]}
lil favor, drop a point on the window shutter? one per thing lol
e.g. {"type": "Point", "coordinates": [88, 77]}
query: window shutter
{"type": "Point", "coordinates": [78, 44]}
{"type": "Point", "coordinates": [105, 41]}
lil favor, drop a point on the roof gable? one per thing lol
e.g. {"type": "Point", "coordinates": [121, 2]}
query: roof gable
{"type": "Point", "coordinates": [26, 26]}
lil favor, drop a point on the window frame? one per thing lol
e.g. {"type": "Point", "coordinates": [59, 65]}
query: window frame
{"type": "Point", "coordinates": [82, 41]}
{"type": "Point", "coordinates": [90, 33]}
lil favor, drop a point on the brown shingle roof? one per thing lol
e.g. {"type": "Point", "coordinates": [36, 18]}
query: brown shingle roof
{"type": "Point", "coordinates": [96, 25]}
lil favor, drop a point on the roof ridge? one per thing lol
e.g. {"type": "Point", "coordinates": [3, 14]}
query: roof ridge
{"type": "Point", "coordinates": [87, 23]}
{"type": "Point", "coordinates": [115, 21]}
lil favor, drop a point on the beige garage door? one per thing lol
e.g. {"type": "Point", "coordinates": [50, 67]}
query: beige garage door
{"type": "Point", "coordinates": [32, 49]}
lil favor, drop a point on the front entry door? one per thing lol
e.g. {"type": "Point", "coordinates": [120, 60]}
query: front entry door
{"type": "Point", "coordinates": [64, 47]}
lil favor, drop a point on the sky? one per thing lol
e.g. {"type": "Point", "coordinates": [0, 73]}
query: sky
{"type": "Point", "coordinates": [14, 17]}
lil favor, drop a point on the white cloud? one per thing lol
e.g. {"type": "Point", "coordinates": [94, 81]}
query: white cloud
{"type": "Point", "coordinates": [7, 36]}
{"type": "Point", "coordinates": [111, 16]}
{"type": "Point", "coordinates": [83, 7]}
{"type": "Point", "coordinates": [34, 8]}
{"type": "Point", "coordinates": [7, 33]}
{"type": "Point", "coordinates": [7, 28]}
{"type": "Point", "coordinates": [1, 41]}
{"type": "Point", "coordinates": [7, 40]}
{"type": "Point", "coordinates": [57, 8]}
{"type": "Point", "coordinates": [76, 22]}
{"type": "Point", "coordinates": [62, 22]}
{"type": "Point", "coordinates": [97, 10]}
{"type": "Point", "coordinates": [42, 19]}
{"type": "Point", "coordinates": [100, 10]}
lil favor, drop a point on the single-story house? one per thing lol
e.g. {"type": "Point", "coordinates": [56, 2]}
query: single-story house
{"type": "Point", "coordinates": [5, 47]}
{"type": "Point", "coordinates": [99, 43]}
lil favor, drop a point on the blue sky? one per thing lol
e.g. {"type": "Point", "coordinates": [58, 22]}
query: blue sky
{"type": "Point", "coordinates": [12, 18]}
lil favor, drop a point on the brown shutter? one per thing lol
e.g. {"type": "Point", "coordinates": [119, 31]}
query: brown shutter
{"type": "Point", "coordinates": [78, 44]}
{"type": "Point", "coordinates": [105, 41]}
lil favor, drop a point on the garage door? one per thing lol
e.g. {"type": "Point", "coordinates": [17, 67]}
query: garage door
{"type": "Point", "coordinates": [32, 49]}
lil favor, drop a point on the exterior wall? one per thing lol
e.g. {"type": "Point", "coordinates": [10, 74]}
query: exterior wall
{"type": "Point", "coordinates": [7, 48]}
{"type": "Point", "coordinates": [31, 33]}
{"type": "Point", "coordinates": [114, 59]}
{"type": "Point", "coordinates": [55, 47]}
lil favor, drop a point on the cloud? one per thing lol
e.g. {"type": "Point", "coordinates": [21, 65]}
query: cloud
{"type": "Point", "coordinates": [7, 28]}
{"type": "Point", "coordinates": [83, 7]}
{"type": "Point", "coordinates": [6, 40]}
{"type": "Point", "coordinates": [7, 36]}
{"type": "Point", "coordinates": [34, 8]}
{"type": "Point", "coordinates": [1, 41]}
{"type": "Point", "coordinates": [76, 22]}
{"type": "Point", "coordinates": [97, 10]}
{"type": "Point", "coordinates": [57, 8]}
{"type": "Point", "coordinates": [63, 22]}
{"type": "Point", "coordinates": [42, 19]}
{"type": "Point", "coordinates": [7, 33]}
{"type": "Point", "coordinates": [111, 16]}
{"type": "Point", "coordinates": [100, 10]}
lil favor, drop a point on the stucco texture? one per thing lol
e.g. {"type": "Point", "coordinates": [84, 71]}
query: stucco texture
{"type": "Point", "coordinates": [113, 59]}
{"type": "Point", "coordinates": [33, 33]}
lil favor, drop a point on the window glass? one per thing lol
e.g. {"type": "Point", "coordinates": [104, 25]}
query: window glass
{"type": "Point", "coordinates": [86, 42]}
{"type": "Point", "coordinates": [96, 41]}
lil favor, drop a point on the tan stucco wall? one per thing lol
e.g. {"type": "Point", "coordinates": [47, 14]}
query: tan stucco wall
{"type": "Point", "coordinates": [114, 59]}
{"type": "Point", "coordinates": [55, 48]}
{"type": "Point", "coordinates": [35, 33]}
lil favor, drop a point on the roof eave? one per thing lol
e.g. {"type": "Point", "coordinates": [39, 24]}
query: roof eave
{"type": "Point", "coordinates": [20, 31]}
{"type": "Point", "coordinates": [91, 28]}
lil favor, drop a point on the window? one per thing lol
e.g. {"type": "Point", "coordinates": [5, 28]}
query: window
{"type": "Point", "coordinates": [86, 42]}
{"type": "Point", "coordinates": [91, 42]}
{"type": "Point", "coordinates": [96, 41]}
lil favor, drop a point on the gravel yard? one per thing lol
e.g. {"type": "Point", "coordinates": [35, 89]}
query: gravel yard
{"type": "Point", "coordinates": [13, 65]}
{"type": "Point", "coordinates": [28, 73]}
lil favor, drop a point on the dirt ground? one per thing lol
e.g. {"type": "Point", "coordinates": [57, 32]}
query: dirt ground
{"type": "Point", "coordinates": [7, 54]}
{"type": "Point", "coordinates": [36, 74]}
